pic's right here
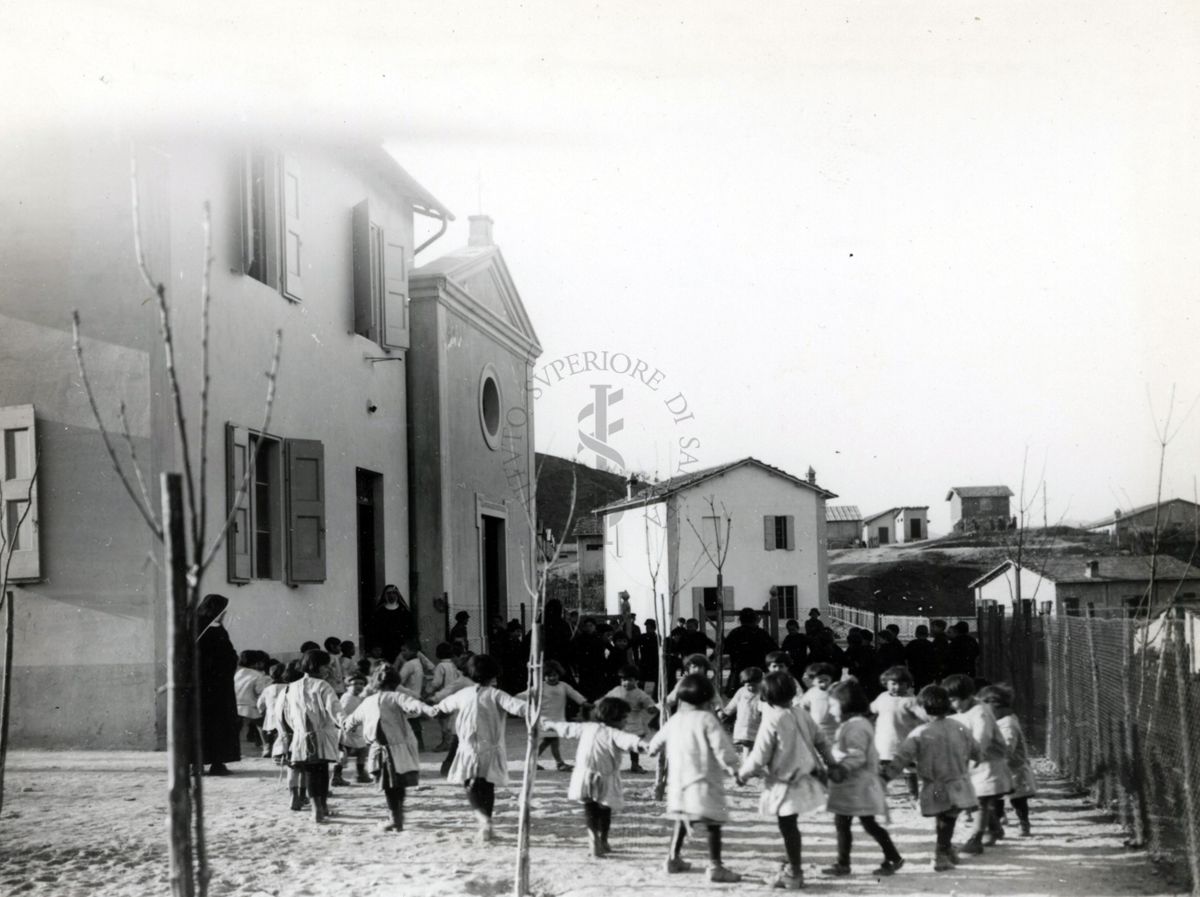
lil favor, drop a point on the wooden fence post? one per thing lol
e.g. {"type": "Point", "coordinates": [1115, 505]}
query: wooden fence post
{"type": "Point", "coordinates": [1183, 718]}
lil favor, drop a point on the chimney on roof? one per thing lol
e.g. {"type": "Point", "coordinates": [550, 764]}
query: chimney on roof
{"type": "Point", "coordinates": [481, 231]}
{"type": "Point", "coordinates": [1092, 570]}
{"type": "Point", "coordinates": [1117, 514]}
{"type": "Point", "coordinates": [631, 484]}
{"type": "Point", "coordinates": [811, 476]}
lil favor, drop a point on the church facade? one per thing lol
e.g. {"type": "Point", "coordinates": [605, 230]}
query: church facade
{"type": "Point", "coordinates": [365, 475]}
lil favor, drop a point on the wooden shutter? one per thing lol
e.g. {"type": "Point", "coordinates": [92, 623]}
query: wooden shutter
{"type": "Point", "coordinates": [790, 532]}
{"type": "Point", "coordinates": [727, 597]}
{"type": "Point", "coordinates": [366, 273]}
{"type": "Point", "coordinates": [698, 603]}
{"type": "Point", "coordinates": [18, 466]}
{"type": "Point", "coordinates": [769, 532]}
{"type": "Point", "coordinates": [293, 243]}
{"type": "Point", "coordinates": [395, 295]}
{"type": "Point", "coordinates": [305, 510]}
{"type": "Point", "coordinates": [237, 540]}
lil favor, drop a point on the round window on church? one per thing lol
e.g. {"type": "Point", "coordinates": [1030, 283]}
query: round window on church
{"type": "Point", "coordinates": [489, 407]}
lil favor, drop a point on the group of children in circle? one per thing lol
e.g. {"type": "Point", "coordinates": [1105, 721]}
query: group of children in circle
{"type": "Point", "coordinates": [815, 747]}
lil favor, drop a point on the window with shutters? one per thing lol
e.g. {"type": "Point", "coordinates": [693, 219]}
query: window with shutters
{"type": "Point", "coordinates": [273, 249]}
{"type": "Point", "coordinates": [18, 493]}
{"type": "Point", "coordinates": [278, 529]}
{"type": "Point", "coordinates": [779, 532]}
{"type": "Point", "coordinates": [380, 280]}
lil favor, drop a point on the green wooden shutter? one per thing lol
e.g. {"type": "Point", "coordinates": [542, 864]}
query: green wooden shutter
{"type": "Point", "coordinates": [769, 532]}
{"type": "Point", "coordinates": [293, 243]}
{"type": "Point", "coordinates": [237, 540]}
{"type": "Point", "coordinates": [18, 464]}
{"type": "Point", "coordinates": [395, 294]}
{"type": "Point", "coordinates": [305, 510]}
{"type": "Point", "coordinates": [790, 532]}
{"type": "Point", "coordinates": [727, 597]}
{"type": "Point", "coordinates": [698, 603]}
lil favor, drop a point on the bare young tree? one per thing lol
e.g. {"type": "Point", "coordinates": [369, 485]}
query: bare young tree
{"type": "Point", "coordinates": [535, 587]}
{"type": "Point", "coordinates": [716, 555]}
{"type": "Point", "coordinates": [8, 547]}
{"type": "Point", "coordinates": [664, 610]}
{"type": "Point", "coordinates": [189, 550]}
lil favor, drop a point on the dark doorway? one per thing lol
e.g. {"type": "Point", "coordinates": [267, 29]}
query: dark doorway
{"type": "Point", "coordinates": [883, 535]}
{"type": "Point", "coordinates": [915, 527]}
{"type": "Point", "coordinates": [494, 553]}
{"type": "Point", "coordinates": [369, 491]}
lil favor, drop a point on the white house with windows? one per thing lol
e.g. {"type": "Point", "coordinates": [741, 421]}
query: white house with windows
{"type": "Point", "coordinates": [896, 526]}
{"type": "Point", "coordinates": [1077, 586]}
{"type": "Point", "coordinates": [766, 524]}
{"type": "Point", "coordinates": [394, 385]}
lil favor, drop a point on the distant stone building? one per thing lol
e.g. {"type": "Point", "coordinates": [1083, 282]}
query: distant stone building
{"type": "Point", "coordinates": [843, 525]}
{"type": "Point", "coordinates": [974, 508]}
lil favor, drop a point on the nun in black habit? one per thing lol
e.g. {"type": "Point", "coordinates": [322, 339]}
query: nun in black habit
{"type": "Point", "coordinates": [217, 660]}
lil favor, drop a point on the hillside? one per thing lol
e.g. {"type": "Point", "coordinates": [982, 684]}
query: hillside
{"type": "Point", "coordinates": [931, 577]}
{"type": "Point", "coordinates": [594, 488]}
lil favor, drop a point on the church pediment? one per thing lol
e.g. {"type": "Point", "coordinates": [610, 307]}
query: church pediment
{"type": "Point", "coordinates": [483, 279]}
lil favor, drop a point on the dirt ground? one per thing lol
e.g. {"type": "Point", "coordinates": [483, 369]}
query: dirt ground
{"type": "Point", "coordinates": [93, 824]}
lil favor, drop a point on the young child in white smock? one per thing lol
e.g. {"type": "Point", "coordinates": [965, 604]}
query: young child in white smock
{"type": "Point", "coordinates": [896, 714]}
{"type": "Point", "coordinates": [855, 788]}
{"type": "Point", "coordinates": [641, 706]}
{"type": "Point", "coordinates": [596, 779]}
{"type": "Point", "coordinates": [743, 708]}
{"type": "Point", "coordinates": [790, 752]}
{"type": "Point", "coordinates": [990, 776]}
{"type": "Point", "coordinates": [699, 757]}
{"type": "Point", "coordinates": [555, 694]}
{"type": "Point", "coordinates": [1024, 783]}
{"type": "Point", "coordinates": [941, 750]}
{"type": "Point", "coordinates": [821, 677]}
{"type": "Point", "coordinates": [381, 719]}
{"type": "Point", "coordinates": [480, 764]}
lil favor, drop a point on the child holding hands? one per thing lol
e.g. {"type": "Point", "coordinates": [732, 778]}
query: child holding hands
{"type": "Point", "coordinates": [480, 763]}
{"type": "Point", "coordinates": [855, 787]}
{"type": "Point", "coordinates": [941, 751]}
{"type": "Point", "coordinates": [596, 779]}
{"type": "Point", "coordinates": [896, 714]}
{"type": "Point", "coordinates": [393, 759]}
{"type": "Point", "coordinates": [788, 752]}
{"type": "Point", "coordinates": [989, 776]}
{"type": "Point", "coordinates": [699, 756]}
{"type": "Point", "coordinates": [1024, 784]}
{"type": "Point", "coordinates": [744, 708]}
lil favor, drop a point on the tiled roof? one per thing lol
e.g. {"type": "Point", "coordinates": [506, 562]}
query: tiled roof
{"type": "Point", "coordinates": [979, 492]}
{"type": "Point", "coordinates": [589, 526]}
{"type": "Point", "coordinates": [658, 491]}
{"type": "Point", "coordinates": [1122, 568]}
{"type": "Point", "coordinates": [842, 513]}
{"type": "Point", "coordinates": [1134, 512]}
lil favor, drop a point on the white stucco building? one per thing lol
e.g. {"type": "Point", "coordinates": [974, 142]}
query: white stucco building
{"type": "Point", "coordinates": [769, 523]}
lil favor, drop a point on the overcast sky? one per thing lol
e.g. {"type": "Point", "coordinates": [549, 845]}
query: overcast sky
{"type": "Point", "coordinates": [901, 243]}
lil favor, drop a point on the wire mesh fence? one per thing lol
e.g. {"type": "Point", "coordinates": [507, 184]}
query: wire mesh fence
{"type": "Point", "coordinates": [1114, 703]}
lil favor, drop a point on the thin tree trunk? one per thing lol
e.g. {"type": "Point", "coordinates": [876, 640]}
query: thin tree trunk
{"type": "Point", "coordinates": [532, 713]}
{"type": "Point", "coordinates": [179, 692]}
{"type": "Point", "coordinates": [6, 697]}
{"type": "Point", "coordinates": [660, 765]}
